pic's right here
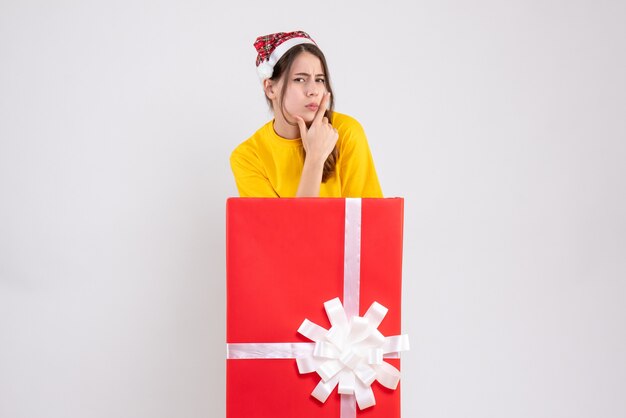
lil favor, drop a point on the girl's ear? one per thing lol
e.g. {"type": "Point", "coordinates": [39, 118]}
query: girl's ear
{"type": "Point", "coordinates": [270, 89]}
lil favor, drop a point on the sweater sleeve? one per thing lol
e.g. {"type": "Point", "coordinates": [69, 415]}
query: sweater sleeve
{"type": "Point", "coordinates": [357, 171]}
{"type": "Point", "coordinates": [249, 174]}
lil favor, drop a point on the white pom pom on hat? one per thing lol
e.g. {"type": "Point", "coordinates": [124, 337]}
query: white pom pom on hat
{"type": "Point", "coordinates": [271, 48]}
{"type": "Point", "coordinates": [265, 70]}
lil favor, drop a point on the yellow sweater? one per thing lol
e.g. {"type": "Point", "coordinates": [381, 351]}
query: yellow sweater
{"type": "Point", "coordinates": [267, 165]}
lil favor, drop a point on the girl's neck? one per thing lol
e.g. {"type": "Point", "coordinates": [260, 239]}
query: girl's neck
{"type": "Point", "coordinates": [284, 129]}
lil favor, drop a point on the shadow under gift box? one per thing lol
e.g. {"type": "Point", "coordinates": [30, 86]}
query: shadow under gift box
{"type": "Point", "coordinates": [285, 258]}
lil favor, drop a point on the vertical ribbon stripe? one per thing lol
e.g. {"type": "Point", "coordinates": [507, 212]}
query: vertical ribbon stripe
{"type": "Point", "coordinates": [352, 258]}
{"type": "Point", "coordinates": [351, 281]}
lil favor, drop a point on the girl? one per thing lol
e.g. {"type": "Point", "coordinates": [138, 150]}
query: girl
{"type": "Point", "coordinates": [308, 150]}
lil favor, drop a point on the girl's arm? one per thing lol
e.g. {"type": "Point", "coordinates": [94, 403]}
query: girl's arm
{"type": "Point", "coordinates": [357, 171]}
{"type": "Point", "coordinates": [251, 180]}
{"type": "Point", "coordinates": [318, 141]}
{"type": "Point", "coordinates": [311, 178]}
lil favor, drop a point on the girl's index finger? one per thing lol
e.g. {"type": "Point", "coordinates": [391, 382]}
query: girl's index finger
{"type": "Point", "coordinates": [323, 105]}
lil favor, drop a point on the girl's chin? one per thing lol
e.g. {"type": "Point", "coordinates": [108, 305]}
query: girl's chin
{"type": "Point", "coordinates": [307, 119]}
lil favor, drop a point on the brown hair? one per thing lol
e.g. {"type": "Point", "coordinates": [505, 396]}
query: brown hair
{"type": "Point", "coordinates": [283, 67]}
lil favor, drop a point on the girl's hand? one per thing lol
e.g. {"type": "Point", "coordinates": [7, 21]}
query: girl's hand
{"type": "Point", "coordinates": [321, 137]}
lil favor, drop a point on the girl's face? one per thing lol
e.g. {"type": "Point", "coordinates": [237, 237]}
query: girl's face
{"type": "Point", "coordinates": [304, 86]}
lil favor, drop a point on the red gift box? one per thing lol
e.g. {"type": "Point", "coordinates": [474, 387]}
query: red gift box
{"type": "Point", "coordinates": [285, 258]}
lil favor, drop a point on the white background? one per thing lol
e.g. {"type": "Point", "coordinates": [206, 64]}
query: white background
{"type": "Point", "coordinates": [501, 123]}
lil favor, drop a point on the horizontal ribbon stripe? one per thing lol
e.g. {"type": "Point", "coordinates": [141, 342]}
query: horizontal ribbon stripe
{"type": "Point", "coordinates": [268, 350]}
{"type": "Point", "coordinates": [244, 351]}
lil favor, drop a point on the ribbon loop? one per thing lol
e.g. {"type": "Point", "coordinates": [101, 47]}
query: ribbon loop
{"type": "Point", "coordinates": [364, 396]}
{"type": "Point", "coordinates": [307, 364]}
{"type": "Point", "coordinates": [350, 359]}
{"type": "Point", "coordinates": [312, 331]}
{"type": "Point", "coordinates": [326, 350]}
{"type": "Point", "coordinates": [359, 329]}
{"type": "Point", "coordinates": [329, 369]}
{"type": "Point", "coordinates": [375, 339]}
{"type": "Point", "coordinates": [387, 375]}
{"type": "Point", "coordinates": [365, 373]}
{"type": "Point", "coordinates": [396, 343]}
{"type": "Point", "coordinates": [337, 336]}
{"type": "Point", "coordinates": [336, 313]}
{"type": "Point", "coordinates": [375, 356]}
{"type": "Point", "coordinates": [375, 314]}
{"type": "Point", "coordinates": [323, 389]}
{"type": "Point", "coordinates": [346, 383]}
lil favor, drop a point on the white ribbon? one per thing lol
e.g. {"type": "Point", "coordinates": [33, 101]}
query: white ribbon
{"type": "Point", "coordinates": [242, 351]}
{"type": "Point", "coordinates": [352, 257]}
{"type": "Point", "coordinates": [350, 354]}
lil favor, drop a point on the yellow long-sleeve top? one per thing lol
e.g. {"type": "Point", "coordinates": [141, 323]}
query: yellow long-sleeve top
{"type": "Point", "coordinates": [268, 165]}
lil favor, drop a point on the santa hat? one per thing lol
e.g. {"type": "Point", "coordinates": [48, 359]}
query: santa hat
{"type": "Point", "coordinates": [272, 47]}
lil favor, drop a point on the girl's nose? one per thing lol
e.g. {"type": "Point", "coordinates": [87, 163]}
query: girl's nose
{"type": "Point", "coordinates": [312, 90]}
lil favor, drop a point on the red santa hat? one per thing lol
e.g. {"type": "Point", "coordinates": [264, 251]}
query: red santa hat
{"type": "Point", "coordinates": [271, 47]}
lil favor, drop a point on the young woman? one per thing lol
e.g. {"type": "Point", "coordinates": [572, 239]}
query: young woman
{"type": "Point", "coordinates": [307, 150]}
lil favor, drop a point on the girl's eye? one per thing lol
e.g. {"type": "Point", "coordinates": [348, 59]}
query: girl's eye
{"type": "Point", "coordinates": [298, 79]}
{"type": "Point", "coordinates": [321, 80]}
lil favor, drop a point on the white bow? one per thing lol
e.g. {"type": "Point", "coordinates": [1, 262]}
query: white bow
{"type": "Point", "coordinates": [350, 354]}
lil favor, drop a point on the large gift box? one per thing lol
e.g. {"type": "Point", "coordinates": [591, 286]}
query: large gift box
{"type": "Point", "coordinates": [309, 283]}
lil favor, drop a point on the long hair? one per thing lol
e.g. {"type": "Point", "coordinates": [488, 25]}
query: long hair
{"type": "Point", "coordinates": [282, 68]}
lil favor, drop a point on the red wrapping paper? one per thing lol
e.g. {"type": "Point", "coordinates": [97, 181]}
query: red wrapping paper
{"type": "Point", "coordinates": [284, 260]}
